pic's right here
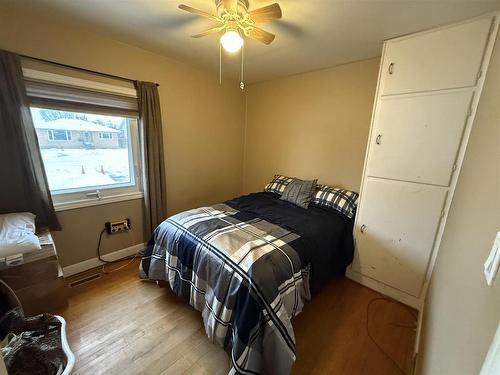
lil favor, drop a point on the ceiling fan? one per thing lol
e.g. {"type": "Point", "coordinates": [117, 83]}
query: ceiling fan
{"type": "Point", "coordinates": [235, 21]}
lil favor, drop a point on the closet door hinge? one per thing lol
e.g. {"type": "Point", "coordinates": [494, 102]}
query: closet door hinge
{"type": "Point", "coordinates": [471, 106]}
{"type": "Point", "coordinates": [442, 214]}
{"type": "Point", "coordinates": [479, 74]}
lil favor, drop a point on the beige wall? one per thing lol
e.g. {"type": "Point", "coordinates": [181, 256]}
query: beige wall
{"type": "Point", "coordinates": [203, 123]}
{"type": "Point", "coordinates": [462, 312]}
{"type": "Point", "coordinates": [78, 239]}
{"type": "Point", "coordinates": [311, 125]}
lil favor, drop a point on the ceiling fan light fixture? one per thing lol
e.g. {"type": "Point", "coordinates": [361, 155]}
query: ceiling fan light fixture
{"type": "Point", "coordinates": [231, 41]}
{"type": "Point", "coordinates": [236, 22]}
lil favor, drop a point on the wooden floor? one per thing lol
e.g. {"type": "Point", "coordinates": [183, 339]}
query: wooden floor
{"type": "Point", "coordinates": [119, 324]}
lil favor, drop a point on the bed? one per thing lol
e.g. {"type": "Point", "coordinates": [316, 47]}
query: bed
{"type": "Point", "coordinates": [249, 265]}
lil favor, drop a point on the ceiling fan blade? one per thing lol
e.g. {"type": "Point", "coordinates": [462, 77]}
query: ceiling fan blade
{"type": "Point", "coordinates": [230, 4]}
{"type": "Point", "coordinates": [266, 14]}
{"type": "Point", "coordinates": [261, 35]}
{"type": "Point", "coordinates": [209, 31]}
{"type": "Point", "coordinates": [198, 12]}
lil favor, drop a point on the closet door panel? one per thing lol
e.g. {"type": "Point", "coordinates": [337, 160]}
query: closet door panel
{"type": "Point", "coordinates": [395, 232]}
{"type": "Point", "coordinates": [442, 59]}
{"type": "Point", "coordinates": [417, 137]}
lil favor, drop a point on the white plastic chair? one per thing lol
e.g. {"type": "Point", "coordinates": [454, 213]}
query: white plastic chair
{"type": "Point", "coordinates": [69, 354]}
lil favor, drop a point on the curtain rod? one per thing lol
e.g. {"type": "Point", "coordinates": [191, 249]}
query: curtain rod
{"type": "Point", "coordinates": [83, 69]}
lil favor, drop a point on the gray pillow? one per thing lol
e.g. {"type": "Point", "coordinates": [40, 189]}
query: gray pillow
{"type": "Point", "coordinates": [299, 192]}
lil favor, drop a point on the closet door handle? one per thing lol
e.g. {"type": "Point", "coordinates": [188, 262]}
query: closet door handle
{"type": "Point", "coordinates": [362, 229]}
{"type": "Point", "coordinates": [391, 68]}
{"type": "Point", "coordinates": [378, 140]}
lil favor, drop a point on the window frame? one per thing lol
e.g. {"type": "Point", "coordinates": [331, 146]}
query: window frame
{"type": "Point", "coordinates": [66, 199]}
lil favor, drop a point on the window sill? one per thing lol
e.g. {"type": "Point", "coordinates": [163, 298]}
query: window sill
{"type": "Point", "coordinates": [63, 206]}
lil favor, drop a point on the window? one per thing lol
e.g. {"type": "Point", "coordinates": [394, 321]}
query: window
{"type": "Point", "coordinates": [88, 134]}
{"type": "Point", "coordinates": [106, 135]}
{"type": "Point", "coordinates": [59, 135]}
{"type": "Point", "coordinates": [86, 168]}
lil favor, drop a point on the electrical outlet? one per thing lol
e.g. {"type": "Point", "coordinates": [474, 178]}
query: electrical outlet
{"type": "Point", "coordinates": [117, 226]}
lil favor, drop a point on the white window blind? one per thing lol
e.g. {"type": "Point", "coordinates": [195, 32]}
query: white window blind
{"type": "Point", "coordinates": [64, 90]}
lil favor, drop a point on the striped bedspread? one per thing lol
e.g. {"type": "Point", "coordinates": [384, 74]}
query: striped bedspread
{"type": "Point", "coordinates": [243, 273]}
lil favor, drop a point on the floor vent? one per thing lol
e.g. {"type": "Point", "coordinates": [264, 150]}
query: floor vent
{"type": "Point", "coordinates": [84, 280]}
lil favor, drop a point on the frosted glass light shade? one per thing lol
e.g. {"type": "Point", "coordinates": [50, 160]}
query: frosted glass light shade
{"type": "Point", "coordinates": [231, 41]}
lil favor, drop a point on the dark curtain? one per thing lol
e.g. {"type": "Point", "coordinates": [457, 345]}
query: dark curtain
{"type": "Point", "coordinates": [155, 188]}
{"type": "Point", "coordinates": [24, 184]}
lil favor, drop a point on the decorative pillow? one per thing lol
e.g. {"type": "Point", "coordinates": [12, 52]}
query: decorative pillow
{"type": "Point", "coordinates": [278, 184]}
{"type": "Point", "coordinates": [299, 192]}
{"type": "Point", "coordinates": [344, 201]}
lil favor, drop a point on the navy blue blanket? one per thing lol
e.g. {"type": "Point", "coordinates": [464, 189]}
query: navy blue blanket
{"type": "Point", "coordinates": [325, 235]}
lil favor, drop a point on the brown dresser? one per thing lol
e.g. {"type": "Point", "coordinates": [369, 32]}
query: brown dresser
{"type": "Point", "coordinates": [37, 278]}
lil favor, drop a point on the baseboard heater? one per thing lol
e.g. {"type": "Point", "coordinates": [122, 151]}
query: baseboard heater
{"type": "Point", "coordinates": [84, 280]}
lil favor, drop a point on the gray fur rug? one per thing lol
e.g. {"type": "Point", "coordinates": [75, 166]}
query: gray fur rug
{"type": "Point", "coordinates": [31, 345]}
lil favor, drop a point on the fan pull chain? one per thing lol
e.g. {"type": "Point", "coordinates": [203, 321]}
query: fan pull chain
{"type": "Point", "coordinates": [220, 64]}
{"type": "Point", "coordinates": [242, 83]}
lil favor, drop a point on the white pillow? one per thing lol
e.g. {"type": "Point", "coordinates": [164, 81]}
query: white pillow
{"type": "Point", "coordinates": [17, 234]}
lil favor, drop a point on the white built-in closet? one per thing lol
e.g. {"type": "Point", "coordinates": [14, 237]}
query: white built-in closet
{"type": "Point", "coordinates": [428, 90]}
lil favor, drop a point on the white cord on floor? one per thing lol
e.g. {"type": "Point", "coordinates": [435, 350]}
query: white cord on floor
{"type": "Point", "coordinates": [121, 267]}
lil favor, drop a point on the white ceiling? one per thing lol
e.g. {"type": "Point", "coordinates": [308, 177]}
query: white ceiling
{"type": "Point", "coordinates": [313, 34]}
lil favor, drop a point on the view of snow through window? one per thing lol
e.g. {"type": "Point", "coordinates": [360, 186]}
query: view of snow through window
{"type": "Point", "coordinates": [83, 151]}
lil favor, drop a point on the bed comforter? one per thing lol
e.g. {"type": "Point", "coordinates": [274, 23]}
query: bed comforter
{"type": "Point", "coordinates": [249, 265]}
